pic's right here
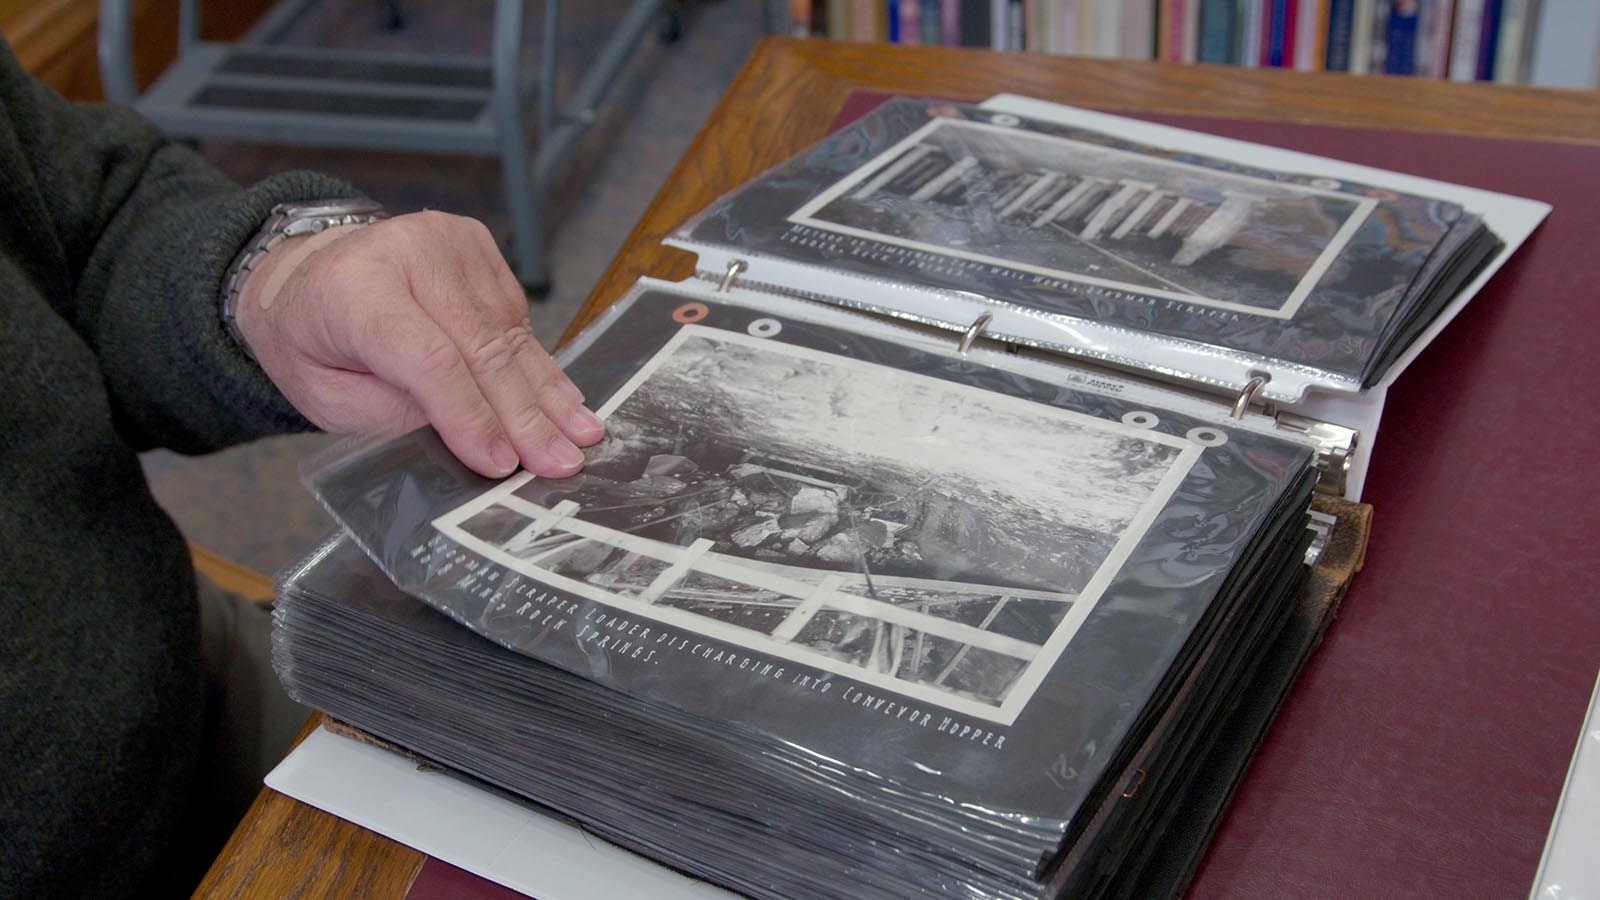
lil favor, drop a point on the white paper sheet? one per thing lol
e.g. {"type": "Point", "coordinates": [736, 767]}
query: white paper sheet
{"type": "Point", "coordinates": [485, 833]}
{"type": "Point", "coordinates": [1570, 869]}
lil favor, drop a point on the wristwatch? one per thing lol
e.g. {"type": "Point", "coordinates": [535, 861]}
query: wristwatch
{"type": "Point", "coordinates": [286, 221]}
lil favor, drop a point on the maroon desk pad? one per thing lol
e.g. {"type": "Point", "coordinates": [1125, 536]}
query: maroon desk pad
{"type": "Point", "coordinates": [1424, 748]}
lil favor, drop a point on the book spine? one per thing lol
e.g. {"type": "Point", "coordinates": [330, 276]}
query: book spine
{"type": "Point", "coordinates": [1433, 38]}
{"type": "Point", "coordinates": [1489, 40]}
{"type": "Point", "coordinates": [1216, 31]}
{"type": "Point", "coordinates": [1380, 35]}
{"type": "Point", "coordinates": [864, 21]}
{"type": "Point", "coordinates": [1139, 29]}
{"type": "Point", "coordinates": [1191, 31]}
{"type": "Point", "coordinates": [895, 12]}
{"type": "Point", "coordinates": [1568, 32]}
{"type": "Point", "coordinates": [1171, 40]}
{"type": "Point", "coordinates": [950, 22]}
{"type": "Point", "coordinates": [976, 24]}
{"type": "Point", "coordinates": [1400, 41]}
{"type": "Point", "coordinates": [838, 20]}
{"type": "Point", "coordinates": [1107, 27]}
{"type": "Point", "coordinates": [799, 24]}
{"type": "Point", "coordinates": [1341, 22]}
{"type": "Point", "coordinates": [1016, 25]}
{"type": "Point", "coordinates": [1251, 14]}
{"type": "Point", "coordinates": [1361, 37]}
{"type": "Point", "coordinates": [1464, 42]}
{"type": "Point", "coordinates": [1513, 41]}
{"type": "Point", "coordinates": [932, 22]}
{"type": "Point", "coordinates": [1066, 38]}
{"type": "Point", "coordinates": [1280, 34]}
{"type": "Point", "coordinates": [1308, 37]}
{"type": "Point", "coordinates": [1530, 37]}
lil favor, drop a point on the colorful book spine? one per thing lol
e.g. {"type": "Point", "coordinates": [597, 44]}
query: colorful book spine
{"type": "Point", "coordinates": [976, 25]}
{"type": "Point", "coordinates": [932, 30]}
{"type": "Point", "coordinates": [1107, 30]}
{"type": "Point", "coordinates": [1400, 39]}
{"type": "Point", "coordinates": [1216, 31]}
{"type": "Point", "coordinates": [1191, 31]}
{"type": "Point", "coordinates": [1361, 37]}
{"type": "Point", "coordinates": [1172, 29]}
{"type": "Point", "coordinates": [1379, 55]}
{"type": "Point", "coordinates": [950, 22]}
{"type": "Point", "coordinates": [1467, 29]}
{"type": "Point", "coordinates": [1341, 31]}
{"type": "Point", "coordinates": [1068, 37]}
{"type": "Point", "coordinates": [1139, 29]}
{"type": "Point", "coordinates": [1516, 30]}
{"type": "Point", "coordinates": [1489, 41]}
{"type": "Point", "coordinates": [864, 20]}
{"type": "Point", "coordinates": [1433, 38]}
{"type": "Point", "coordinates": [1254, 12]}
{"type": "Point", "coordinates": [1309, 34]}
{"type": "Point", "coordinates": [1279, 49]}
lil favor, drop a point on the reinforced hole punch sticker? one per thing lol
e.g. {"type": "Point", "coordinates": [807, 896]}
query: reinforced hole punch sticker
{"type": "Point", "coordinates": [1207, 436]}
{"type": "Point", "coordinates": [690, 313]}
{"type": "Point", "coordinates": [764, 327]}
{"type": "Point", "coordinates": [1141, 419]}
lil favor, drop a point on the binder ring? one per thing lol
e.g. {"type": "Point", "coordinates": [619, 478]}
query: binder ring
{"type": "Point", "coordinates": [973, 330]}
{"type": "Point", "coordinates": [1242, 402]}
{"type": "Point", "coordinates": [734, 268]}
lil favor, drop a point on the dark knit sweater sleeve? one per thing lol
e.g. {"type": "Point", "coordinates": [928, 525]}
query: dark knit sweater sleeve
{"type": "Point", "coordinates": [131, 234]}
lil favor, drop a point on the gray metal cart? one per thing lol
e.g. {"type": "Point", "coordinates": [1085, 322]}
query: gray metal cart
{"type": "Point", "coordinates": [260, 90]}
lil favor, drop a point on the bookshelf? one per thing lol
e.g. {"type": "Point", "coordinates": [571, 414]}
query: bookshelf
{"type": "Point", "coordinates": [1550, 43]}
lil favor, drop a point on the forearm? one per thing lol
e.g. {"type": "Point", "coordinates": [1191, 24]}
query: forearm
{"type": "Point", "coordinates": [127, 235]}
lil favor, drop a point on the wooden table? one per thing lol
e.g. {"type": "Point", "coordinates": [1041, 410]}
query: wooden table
{"type": "Point", "coordinates": [1326, 807]}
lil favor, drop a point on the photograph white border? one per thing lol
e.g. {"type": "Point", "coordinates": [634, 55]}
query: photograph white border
{"type": "Point", "coordinates": [826, 593]}
{"type": "Point", "coordinates": [806, 215]}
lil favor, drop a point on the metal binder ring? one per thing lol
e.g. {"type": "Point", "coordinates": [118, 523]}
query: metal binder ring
{"type": "Point", "coordinates": [973, 330]}
{"type": "Point", "coordinates": [734, 268]}
{"type": "Point", "coordinates": [1242, 403]}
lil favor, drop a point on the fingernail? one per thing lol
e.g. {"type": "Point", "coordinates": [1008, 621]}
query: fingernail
{"type": "Point", "coordinates": [570, 389]}
{"type": "Point", "coordinates": [584, 425]}
{"type": "Point", "coordinates": [503, 456]}
{"type": "Point", "coordinates": [565, 455]}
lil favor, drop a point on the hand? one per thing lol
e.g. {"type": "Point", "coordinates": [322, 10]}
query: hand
{"type": "Point", "coordinates": [415, 320]}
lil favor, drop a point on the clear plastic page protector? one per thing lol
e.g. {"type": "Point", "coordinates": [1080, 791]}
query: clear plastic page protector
{"type": "Point", "coordinates": [1084, 241]}
{"type": "Point", "coordinates": [962, 580]}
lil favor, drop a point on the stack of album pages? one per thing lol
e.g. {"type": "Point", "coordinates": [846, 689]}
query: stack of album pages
{"type": "Point", "coordinates": [844, 607]}
{"type": "Point", "coordinates": [829, 613]}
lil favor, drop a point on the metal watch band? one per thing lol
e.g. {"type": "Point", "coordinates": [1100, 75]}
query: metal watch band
{"type": "Point", "coordinates": [287, 220]}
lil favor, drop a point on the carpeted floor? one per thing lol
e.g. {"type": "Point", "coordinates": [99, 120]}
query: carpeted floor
{"type": "Point", "coordinates": [247, 503]}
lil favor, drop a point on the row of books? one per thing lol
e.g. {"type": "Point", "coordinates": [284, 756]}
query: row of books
{"type": "Point", "coordinates": [1550, 42]}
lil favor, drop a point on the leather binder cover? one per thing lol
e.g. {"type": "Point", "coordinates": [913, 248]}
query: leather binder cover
{"type": "Point", "coordinates": [1423, 750]}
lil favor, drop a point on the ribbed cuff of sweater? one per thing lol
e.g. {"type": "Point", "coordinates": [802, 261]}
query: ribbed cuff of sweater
{"type": "Point", "coordinates": [201, 390]}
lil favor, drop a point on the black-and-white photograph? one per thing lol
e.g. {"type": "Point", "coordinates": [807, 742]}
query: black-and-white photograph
{"type": "Point", "coordinates": [1092, 214]}
{"type": "Point", "coordinates": [911, 532]}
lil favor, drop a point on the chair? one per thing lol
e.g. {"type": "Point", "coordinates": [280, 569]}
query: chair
{"type": "Point", "coordinates": [258, 90]}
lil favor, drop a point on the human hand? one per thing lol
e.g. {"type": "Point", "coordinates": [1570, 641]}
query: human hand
{"type": "Point", "coordinates": [415, 320]}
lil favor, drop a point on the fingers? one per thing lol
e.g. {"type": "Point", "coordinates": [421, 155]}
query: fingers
{"type": "Point", "coordinates": [411, 353]}
{"type": "Point", "coordinates": [475, 302]}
